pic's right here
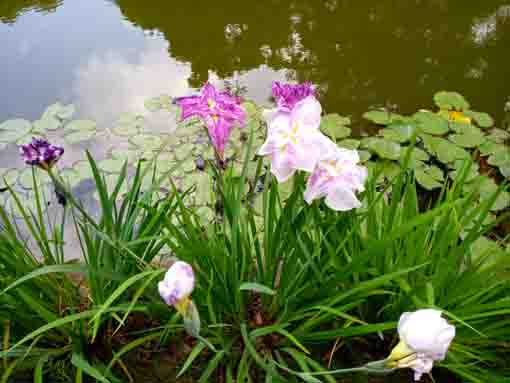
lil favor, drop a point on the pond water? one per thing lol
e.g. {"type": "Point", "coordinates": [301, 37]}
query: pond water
{"type": "Point", "coordinates": [108, 56]}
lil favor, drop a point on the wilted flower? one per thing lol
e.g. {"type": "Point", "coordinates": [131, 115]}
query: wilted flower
{"type": "Point", "coordinates": [294, 140]}
{"type": "Point", "coordinates": [338, 177]}
{"type": "Point", "coordinates": [177, 286]}
{"type": "Point", "coordinates": [424, 339]}
{"type": "Point", "coordinates": [288, 95]}
{"type": "Point", "coordinates": [41, 153]}
{"type": "Point", "coordinates": [220, 111]}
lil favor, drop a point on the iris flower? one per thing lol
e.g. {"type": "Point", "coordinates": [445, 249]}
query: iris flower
{"type": "Point", "coordinates": [220, 112]}
{"type": "Point", "coordinates": [177, 286]}
{"type": "Point", "coordinates": [288, 95]}
{"type": "Point", "coordinates": [424, 339]}
{"type": "Point", "coordinates": [337, 177]}
{"type": "Point", "coordinates": [294, 141]}
{"type": "Point", "coordinates": [41, 153]}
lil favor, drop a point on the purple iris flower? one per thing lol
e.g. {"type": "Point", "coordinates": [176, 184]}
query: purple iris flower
{"type": "Point", "coordinates": [219, 110]}
{"type": "Point", "coordinates": [41, 153]}
{"type": "Point", "coordinates": [288, 95]}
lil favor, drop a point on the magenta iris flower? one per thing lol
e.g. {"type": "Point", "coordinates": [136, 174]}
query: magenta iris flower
{"type": "Point", "coordinates": [219, 110]}
{"type": "Point", "coordinates": [288, 95]}
{"type": "Point", "coordinates": [41, 153]}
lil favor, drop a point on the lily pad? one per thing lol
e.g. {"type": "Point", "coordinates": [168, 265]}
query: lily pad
{"type": "Point", "coordinates": [77, 136]}
{"type": "Point", "coordinates": [417, 158]}
{"type": "Point", "coordinates": [451, 100]}
{"type": "Point", "coordinates": [155, 104]}
{"type": "Point", "coordinates": [458, 168]}
{"type": "Point", "coordinates": [60, 111]}
{"type": "Point", "coordinates": [499, 136]}
{"type": "Point", "coordinates": [45, 124]}
{"type": "Point", "coordinates": [129, 124]}
{"type": "Point", "coordinates": [472, 139]}
{"type": "Point", "coordinates": [447, 152]}
{"type": "Point", "coordinates": [13, 130]}
{"type": "Point", "coordinates": [381, 117]}
{"type": "Point", "coordinates": [500, 158]}
{"type": "Point", "coordinates": [399, 132]}
{"type": "Point", "coordinates": [335, 126]}
{"type": "Point", "coordinates": [28, 138]}
{"type": "Point", "coordinates": [364, 155]}
{"type": "Point", "coordinates": [431, 123]}
{"type": "Point", "coordinates": [26, 178]}
{"type": "Point", "coordinates": [80, 126]}
{"type": "Point", "coordinates": [83, 169]}
{"type": "Point", "coordinates": [111, 165]}
{"type": "Point", "coordinates": [483, 120]}
{"type": "Point", "coordinates": [490, 147]}
{"type": "Point", "coordinates": [184, 151]}
{"type": "Point", "coordinates": [349, 143]}
{"type": "Point", "coordinates": [429, 178]}
{"type": "Point", "coordinates": [146, 141]}
{"type": "Point", "coordinates": [385, 149]}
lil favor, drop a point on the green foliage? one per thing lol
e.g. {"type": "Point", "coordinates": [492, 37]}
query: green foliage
{"type": "Point", "coordinates": [278, 281]}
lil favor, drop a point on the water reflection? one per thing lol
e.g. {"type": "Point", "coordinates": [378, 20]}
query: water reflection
{"type": "Point", "coordinates": [10, 10]}
{"type": "Point", "coordinates": [361, 54]}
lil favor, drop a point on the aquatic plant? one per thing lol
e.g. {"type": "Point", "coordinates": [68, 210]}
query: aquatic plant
{"type": "Point", "coordinates": [282, 289]}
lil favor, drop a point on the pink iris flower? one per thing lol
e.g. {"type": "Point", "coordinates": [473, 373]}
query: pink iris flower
{"type": "Point", "coordinates": [294, 141]}
{"type": "Point", "coordinates": [288, 95]}
{"type": "Point", "coordinates": [219, 110]}
{"type": "Point", "coordinates": [337, 176]}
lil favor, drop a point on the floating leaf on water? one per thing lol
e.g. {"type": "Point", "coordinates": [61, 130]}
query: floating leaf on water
{"type": "Point", "coordinates": [184, 151]}
{"type": "Point", "coordinates": [490, 147]}
{"type": "Point", "coordinates": [206, 214]}
{"type": "Point", "coordinates": [335, 126]}
{"type": "Point", "coordinates": [9, 176]}
{"type": "Point", "coordinates": [45, 124]}
{"type": "Point", "coordinates": [451, 100]}
{"type": "Point", "coordinates": [483, 120]}
{"type": "Point", "coordinates": [429, 178]}
{"type": "Point", "coordinates": [485, 249]}
{"type": "Point", "coordinates": [458, 167]}
{"type": "Point", "coordinates": [430, 142]}
{"type": "Point", "coordinates": [80, 126]}
{"type": "Point", "coordinates": [417, 158]}
{"type": "Point", "coordinates": [467, 140]}
{"type": "Point", "coordinates": [385, 149]}
{"type": "Point", "coordinates": [500, 158]}
{"type": "Point", "coordinates": [146, 142]}
{"type": "Point", "coordinates": [366, 142]}
{"type": "Point", "coordinates": [499, 136]}
{"type": "Point", "coordinates": [431, 123]}
{"type": "Point", "coordinates": [447, 152]}
{"type": "Point", "coordinates": [158, 103]}
{"type": "Point", "coordinates": [111, 165]}
{"type": "Point", "coordinates": [26, 178]}
{"type": "Point", "coordinates": [399, 132]}
{"type": "Point", "coordinates": [364, 155]}
{"type": "Point", "coordinates": [188, 165]}
{"type": "Point", "coordinates": [13, 130]}
{"type": "Point", "coordinates": [252, 110]}
{"type": "Point", "coordinates": [129, 124]}
{"type": "Point", "coordinates": [381, 117]}
{"type": "Point", "coordinates": [349, 143]}
{"type": "Point", "coordinates": [57, 110]}
{"type": "Point", "coordinates": [505, 170]}
{"type": "Point", "coordinates": [77, 136]}
{"type": "Point", "coordinates": [203, 188]}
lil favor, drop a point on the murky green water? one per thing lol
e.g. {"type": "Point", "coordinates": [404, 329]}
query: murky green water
{"type": "Point", "coordinates": [109, 56]}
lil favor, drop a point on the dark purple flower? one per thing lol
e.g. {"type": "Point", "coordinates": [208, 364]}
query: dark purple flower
{"type": "Point", "coordinates": [41, 153]}
{"type": "Point", "coordinates": [288, 95]}
{"type": "Point", "coordinates": [219, 110]}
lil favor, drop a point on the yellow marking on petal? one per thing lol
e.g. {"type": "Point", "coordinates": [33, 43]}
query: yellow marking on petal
{"type": "Point", "coordinates": [215, 118]}
{"type": "Point", "coordinates": [459, 117]}
{"type": "Point", "coordinates": [182, 305]}
{"type": "Point", "coordinates": [211, 103]}
{"type": "Point", "coordinates": [399, 352]}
